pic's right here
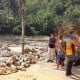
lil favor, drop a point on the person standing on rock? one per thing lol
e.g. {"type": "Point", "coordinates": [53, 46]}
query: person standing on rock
{"type": "Point", "coordinates": [51, 47]}
{"type": "Point", "coordinates": [71, 45]}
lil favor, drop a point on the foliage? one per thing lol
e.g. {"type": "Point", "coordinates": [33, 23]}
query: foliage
{"type": "Point", "coordinates": [42, 16]}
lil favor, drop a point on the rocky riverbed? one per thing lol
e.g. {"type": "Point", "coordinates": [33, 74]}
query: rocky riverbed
{"type": "Point", "coordinates": [32, 64]}
{"type": "Point", "coordinates": [12, 60]}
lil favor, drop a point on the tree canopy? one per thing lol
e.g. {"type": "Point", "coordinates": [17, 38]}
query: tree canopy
{"type": "Point", "coordinates": [42, 16]}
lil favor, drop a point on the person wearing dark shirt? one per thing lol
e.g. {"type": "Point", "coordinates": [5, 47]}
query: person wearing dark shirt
{"type": "Point", "coordinates": [51, 48]}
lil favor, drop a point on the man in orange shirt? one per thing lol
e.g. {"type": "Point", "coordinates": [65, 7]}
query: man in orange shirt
{"type": "Point", "coordinates": [71, 45]}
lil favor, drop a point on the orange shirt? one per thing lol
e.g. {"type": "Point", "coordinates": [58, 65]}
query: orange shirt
{"type": "Point", "coordinates": [69, 50]}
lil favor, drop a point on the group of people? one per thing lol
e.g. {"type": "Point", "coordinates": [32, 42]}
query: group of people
{"type": "Point", "coordinates": [68, 49]}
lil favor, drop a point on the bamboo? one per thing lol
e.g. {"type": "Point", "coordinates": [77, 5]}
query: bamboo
{"type": "Point", "coordinates": [23, 27]}
{"type": "Point", "coordinates": [23, 23]}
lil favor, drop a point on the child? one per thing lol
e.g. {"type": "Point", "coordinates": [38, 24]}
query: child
{"type": "Point", "coordinates": [60, 54]}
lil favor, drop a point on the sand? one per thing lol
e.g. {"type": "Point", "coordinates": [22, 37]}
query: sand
{"type": "Point", "coordinates": [39, 71]}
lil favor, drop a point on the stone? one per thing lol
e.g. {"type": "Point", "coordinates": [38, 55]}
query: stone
{"type": "Point", "coordinates": [2, 64]}
{"type": "Point", "coordinates": [22, 68]}
{"type": "Point", "coordinates": [17, 63]}
{"type": "Point", "coordinates": [8, 71]}
{"type": "Point", "coordinates": [9, 61]}
{"type": "Point", "coordinates": [14, 58]}
{"type": "Point", "coordinates": [32, 61]}
{"type": "Point", "coordinates": [27, 65]}
{"type": "Point", "coordinates": [33, 50]}
{"type": "Point", "coordinates": [6, 48]}
{"type": "Point", "coordinates": [27, 50]}
{"type": "Point", "coordinates": [2, 71]}
{"type": "Point", "coordinates": [13, 68]}
{"type": "Point", "coordinates": [5, 54]}
{"type": "Point", "coordinates": [23, 64]}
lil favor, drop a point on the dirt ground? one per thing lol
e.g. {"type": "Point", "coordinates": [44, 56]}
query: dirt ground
{"type": "Point", "coordinates": [39, 71]}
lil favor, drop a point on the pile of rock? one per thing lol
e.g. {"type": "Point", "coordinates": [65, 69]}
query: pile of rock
{"type": "Point", "coordinates": [27, 50]}
{"type": "Point", "coordinates": [11, 62]}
